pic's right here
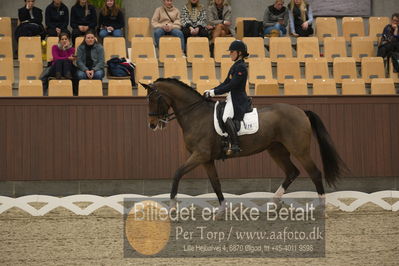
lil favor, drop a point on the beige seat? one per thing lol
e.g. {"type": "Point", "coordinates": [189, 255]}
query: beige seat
{"type": "Point", "coordinates": [324, 87]}
{"type": "Point", "coordinates": [90, 88]}
{"type": "Point", "coordinates": [62, 88]}
{"type": "Point", "coordinates": [28, 88]}
{"type": "Point", "coordinates": [353, 87]}
{"type": "Point", "coordinates": [260, 70]}
{"type": "Point", "coordinates": [280, 47]}
{"type": "Point", "coordinates": [316, 68]}
{"type": "Point", "coordinates": [6, 47]}
{"type": "Point", "coordinates": [255, 46]}
{"type": "Point", "coordinates": [169, 47]}
{"type": "Point", "coordinates": [392, 74]}
{"type": "Point", "coordinates": [142, 47]}
{"type": "Point", "coordinates": [221, 48]}
{"type": "Point", "coordinates": [203, 69]}
{"type": "Point", "coordinates": [383, 86]}
{"type": "Point", "coordinates": [225, 66]}
{"type": "Point", "coordinates": [5, 88]}
{"type": "Point", "coordinates": [362, 47]}
{"type": "Point", "coordinates": [307, 47]}
{"type": "Point", "coordinates": [114, 47]}
{"type": "Point", "coordinates": [240, 26]}
{"type": "Point", "coordinates": [295, 87]}
{"type": "Point", "coordinates": [372, 68]}
{"type": "Point", "coordinates": [352, 27]}
{"type": "Point", "coordinates": [120, 88]}
{"type": "Point", "coordinates": [51, 41]}
{"type": "Point", "coordinates": [267, 88]}
{"type": "Point", "coordinates": [138, 27]}
{"type": "Point", "coordinates": [203, 85]}
{"type": "Point", "coordinates": [30, 68]}
{"type": "Point", "coordinates": [326, 27]}
{"type": "Point", "coordinates": [175, 68]}
{"type": "Point", "coordinates": [5, 27]}
{"type": "Point", "coordinates": [7, 69]}
{"type": "Point", "coordinates": [334, 47]}
{"type": "Point", "coordinates": [197, 47]}
{"type": "Point", "coordinates": [29, 47]}
{"type": "Point", "coordinates": [78, 42]}
{"type": "Point", "coordinates": [376, 26]}
{"type": "Point", "coordinates": [288, 69]}
{"type": "Point", "coordinates": [344, 68]}
{"type": "Point", "coordinates": [147, 71]}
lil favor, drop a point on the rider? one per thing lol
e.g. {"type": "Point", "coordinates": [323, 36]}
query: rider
{"type": "Point", "coordinates": [235, 85]}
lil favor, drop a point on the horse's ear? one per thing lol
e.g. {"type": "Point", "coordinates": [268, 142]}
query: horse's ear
{"type": "Point", "coordinates": [146, 86]}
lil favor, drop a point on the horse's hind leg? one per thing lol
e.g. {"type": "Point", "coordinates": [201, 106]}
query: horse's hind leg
{"type": "Point", "coordinates": [313, 171]}
{"type": "Point", "coordinates": [282, 157]}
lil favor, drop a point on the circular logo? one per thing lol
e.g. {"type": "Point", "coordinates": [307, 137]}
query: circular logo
{"type": "Point", "coordinates": [147, 227]}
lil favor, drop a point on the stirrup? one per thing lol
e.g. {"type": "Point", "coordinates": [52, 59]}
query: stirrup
{"type": "Point", "coordinates": [233, 149]}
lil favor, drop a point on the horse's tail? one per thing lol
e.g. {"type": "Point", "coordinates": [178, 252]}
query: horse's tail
{"type": "Point", "coordinates": [334, 166]}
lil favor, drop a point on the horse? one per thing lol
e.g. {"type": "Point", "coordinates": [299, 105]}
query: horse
{"type": "Point", "coordinates": [284, 130]}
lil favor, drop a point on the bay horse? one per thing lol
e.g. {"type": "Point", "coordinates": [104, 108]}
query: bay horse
{"type": "Point", "coordinates": [284, 130]}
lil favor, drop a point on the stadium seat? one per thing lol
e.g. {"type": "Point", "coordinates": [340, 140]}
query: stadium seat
{"type": "Point", "coordinates": [362, 47]}
{"type": "Point", "coordinates": [197, 47]}
{"type": "Point", "coordinates": [114, 47]}
{"type": "Point", "coordinates": [372, 67]}
{"type": "Point", "coordinates": [5, 27]}
{"type": "Point", "coordinates": [90, 88]}
{"type": "Point", "coordinates": [334, 47]}
{"type": "Point", "coordinates": [255, 46]}
{"type": "Point", "coordinates": [120, 88]}
{"type": "Point", "coordinates": [62, 88]}
{"type": "Point", "coordinates": [352, 27]}
{"type": "Point", "coordinates": [78, 42]}
{"type": "Point", "coordinates": [344, 68]}
{"type": "Point", "coordinates": [383, 86]}
{"type": "Point", "coordinates": [29, 47]}
{"type": "Point", "coordinates": [260, 70]}
{"type": "Point", "coordinates": [138, 27]}
{"type": "Point", "coordinates": [240, 26]}
{"type": "Point", "coordinates": [51, 41]}
{"type": "Point", "coordinates": [326, 27]}
{"type": "Point", "coordinates": [295, 87]}
{"type": "Point", "coordinates": [221, 48]}
{"type": "Point", "coordinates": [307, 47]}
{"type": "Point", "coordinates": [316, 68]}
{"type": "Point", "coordinates": [225, 66]}
{"type": "Point", "coordinates": [353, 87]}
{"type": "Point", "coordinates": [324, 87]}
{"type": "Point", "coordinates": [5, 88]}
{"type": "Point", "coordinates": [142, 47]}
{"type": "Point", "coordinates": [147, 71]}
{"type": "Point", "coordinates": [288, 69]}
{"type": "Point", "coordinates": [267, 88]}
{"type": "Point", "coordinates": [392, 74]}
{"type": "Point", "coordinates": [204, 69]}
{"type": "Point", "coordinates": [169, 47]}
{"type": "Point", "coordinates": [28, 88]}
{"type": "Point", "coordinates": [7, 69]}
{"type": "Point", "coordinates": [175, 68]}
{"type": "Point", "coordinates": [30, 69]}
{"type": "Point", "coordinates": [6, 47]}
{"type": "Point", "coordinates": [203, 85]}
{"type": "Point", "coordinates": [280, 47]}
{"type": "Point", "coordinates": [376, 26]}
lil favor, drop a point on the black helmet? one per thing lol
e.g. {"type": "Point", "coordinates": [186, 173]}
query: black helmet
{"type": "Point", "coordinates": [239, 46]}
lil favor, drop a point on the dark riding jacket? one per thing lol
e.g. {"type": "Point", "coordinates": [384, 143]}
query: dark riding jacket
{"type": "Point", "coordinates": [235, 84]}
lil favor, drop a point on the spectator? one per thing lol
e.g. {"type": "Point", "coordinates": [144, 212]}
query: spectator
{"type": "Point", "coordinates": [301, 18]}
{"type": "Point", "coordinates": [194, 20]}
{"type": "Point", "coordinates": [90, 58]}
{"type": "Point", "coordinates": [111, 20]}
{"type": "Point", "coordinates": [57, 18]}
{"type": "Point", "coordinates": [30, 19]}
{"type": "Point", "coordinates": [390, 38]}
{"type": "Point", "coordinates": [219, 18]}
{"type": "Point", "coordinates": [275, 19]}
{"type": "Point", "coordinates": [166, 21]}
{"type": "Point", "coordinates": [63, 57]}
{"type": "Point", "coordinates": [83, 18]}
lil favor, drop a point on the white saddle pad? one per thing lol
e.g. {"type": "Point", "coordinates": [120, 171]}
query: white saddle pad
{"type": "Point", "coordinates": [250, 125]}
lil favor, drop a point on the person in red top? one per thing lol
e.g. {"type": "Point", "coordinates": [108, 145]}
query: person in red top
{"type": "Point", "coordinates": [63, 57]}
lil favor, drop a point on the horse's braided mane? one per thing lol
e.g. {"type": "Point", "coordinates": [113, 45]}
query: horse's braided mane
{"type": "Point", "coordinates": [184, 85]}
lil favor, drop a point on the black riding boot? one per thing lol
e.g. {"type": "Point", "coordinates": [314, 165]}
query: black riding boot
{"type": "Point", "coordinates": [231, 130]}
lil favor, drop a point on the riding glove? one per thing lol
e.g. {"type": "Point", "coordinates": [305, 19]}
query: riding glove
{"type": "Point", "coordinates": [209, 93]}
